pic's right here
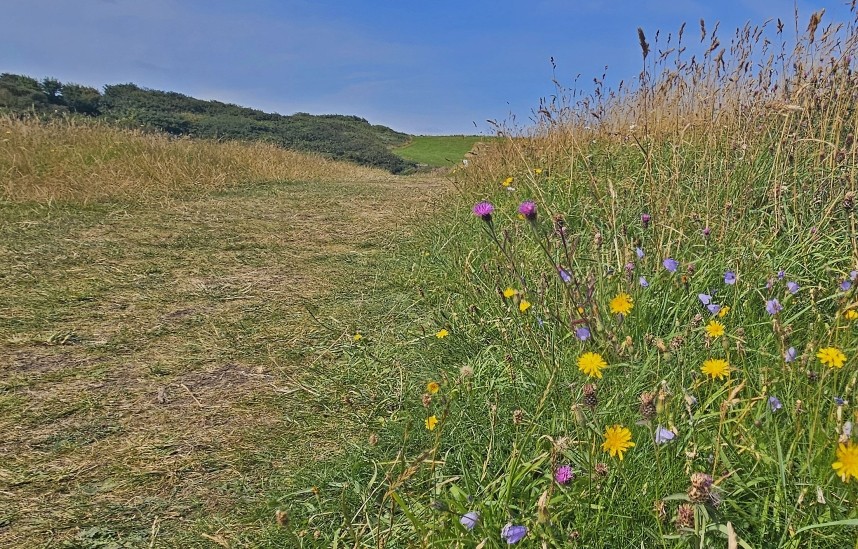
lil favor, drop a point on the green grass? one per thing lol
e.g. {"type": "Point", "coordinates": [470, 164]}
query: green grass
{"type": "Point", "coordinates": [169, 364]}
{"type": "Point", "coordinates": [438, 151]}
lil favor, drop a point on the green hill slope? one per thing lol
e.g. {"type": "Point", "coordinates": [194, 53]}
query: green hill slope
{"type": "Point", "coordinates": [335, 136]}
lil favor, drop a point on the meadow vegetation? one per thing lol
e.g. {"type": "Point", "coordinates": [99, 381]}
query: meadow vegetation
{"type": "Point", "coordinates": [637, 325]}
{"type": "Point", "coordinates": [439, 150]}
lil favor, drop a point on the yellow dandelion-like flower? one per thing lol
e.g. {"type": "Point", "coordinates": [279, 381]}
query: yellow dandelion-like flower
{"type": "Point", "coordinates": [725, 310]}
{"type": "Point", "coordinates": [851, 314]}
{"type": "Point", "coordinates": [622, 304]}
{"type": "Point", "coordinates": [618, 439]}
{"type": "Point", "coordinates": [592, 364]}
{"type": "Point", "coordinates": [509, 292]}
{"type": "Point", "coordinates": [432, 387]}
{"type": "Point", "coordinates": [847, 461]}
{"type": "Point", "coordinates": [716, 368]}
{"type": "Point", "coordinates": [831, 357]}
{"type": "Point", "coordinates": [715, 329]}
{"type": "Point", "coordinates": [507, 182]}
{"type": "Point", "coordinates": [442, 333]}
{"type": "Point", "coordinates": [524, 305]}
{"type": "Point", "coordinates": [431, 422]}
{"type": "Point", "coordinates": [538, 171]}
{"type": "Point", "coordinates": [357, 337]}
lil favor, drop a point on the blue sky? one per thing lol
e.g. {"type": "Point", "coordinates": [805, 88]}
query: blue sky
{"type": "Point", "coordinates": [430, 67]}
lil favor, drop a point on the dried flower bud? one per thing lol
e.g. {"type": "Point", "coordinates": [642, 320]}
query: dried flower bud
{"type": "Point", "coordinates": [426, 399]}
{"type": "Point", "coordinates": [647, 405]}
{"type": "Point", "coordinates": [684, 517]}
{"type": "Point", "coordinates": [517, 417]}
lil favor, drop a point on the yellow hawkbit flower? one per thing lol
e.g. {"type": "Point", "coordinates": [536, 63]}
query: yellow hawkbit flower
{"type": "Point", "coordinates": [592, 364]}
{"type": "Point", "coordinates": [524, 305]}
{"type": "Point", "coordinates": [714, 329]}
{"type": "Point", "coordinates": [716, 368]}
{"type": "Point", "coordinates": [357, 337]}
{"type": "Point", "coordinates": [724, 311]}
{"type": "Point", "coordinates": [847, 461]}
{"type": "Point", "coordinates": [442, 333]}
{"type": "Point", "coordinates": [622, 304]}
{"type": "Point", "coordinates": [618, 439]}
{"type": "Point", "coordinates": [432, 387]}
{"type": "Point", "coordinates": [851, 314]}
{"type": "Point", "coordinates": [831, 357]}
{"type": "Point", "coordinates": [431, 422]}
{"type": "Point", "coordinates": [507, 182]}
{"type": "Point", "coordinates": [538, 171]}
{"type": "Point", "coordinates": [509, 292]}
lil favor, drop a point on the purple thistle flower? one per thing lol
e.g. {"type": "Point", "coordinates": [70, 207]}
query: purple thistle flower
{"type": "Point", "coordinates": [630, 267]}
{"type": "Point", "coordinates": [564, 474]}
{"type": "Point", "coordinates": [582, 333]}
{"type": "Point", "coordinates": [470, 519]}
{"type": "Point", "coordinates": [730, 278]}
{"type": "Point", "coordinates": [528, 210]}
{"type": "Point", "coordinates": [642, 281]}
{"type": "Point", "coordinates": [790, 354]}
{"type": "Point", "coordinates": [670, 264]}
{"type": "Point", "coordinates": [792, 287]}
{"type": "Point", "coordinates": [663, 436]}
{"type": "Point", "coordinates": [484, 210]}
{"type": "Point", "coordinates": [565, 276]}
{"type": "Point", "coordinates": [639, 252]}
{"type": "Point", "coordinates": [512, 533]}
{"type": "Point", "coordinates": [645, 219]}
{"type": "Point", "coordinates": [705, 299]}
{"type": "Point", "coordinates": [713, 308]}
{"type": "Point", "coordinates": [775, 404]}
{"type": "Point", "coordinates": [773, 306]}
{"type": "Point", "coordinates": [846, 285]}
{"type": "Point", "coordinates": [706, 231]}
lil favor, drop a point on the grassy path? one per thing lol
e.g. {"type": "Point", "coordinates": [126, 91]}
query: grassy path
{"type": "Point", "coordinates": [159, 369]}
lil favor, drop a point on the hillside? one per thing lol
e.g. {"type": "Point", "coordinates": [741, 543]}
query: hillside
{"type": "Point", "coordinates": [338, 137]}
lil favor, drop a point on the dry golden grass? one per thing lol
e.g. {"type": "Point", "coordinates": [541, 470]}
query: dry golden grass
{"type": "Point", "coordinates": [84, 160]}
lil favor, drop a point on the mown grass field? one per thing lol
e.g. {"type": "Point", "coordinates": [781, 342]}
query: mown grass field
{"type": "Point", "coordinates": [172, 358]}
{"type": "Point", "coordinates": [439, 151]}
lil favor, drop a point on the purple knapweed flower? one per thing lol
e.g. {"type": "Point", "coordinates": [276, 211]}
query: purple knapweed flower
{"type": "Point", "coordinates": [528, 210]}
{"type": "Point", "coordinates": [630, 267]}
{"type": "Point", "coordinates": [713, 308]}
{"type": "Point", "coordinates": [512, 533]}
{"type": "Point", "coordinates": [706, 231]}
{"type": "Point", "coordinates": [790, 354]}
{"type": "Point", "coordinates": [470, 519]}
{"type": "Point", "coordinates": [564, 276]}
{"type": "Point", "coordinates": [663, 436]}
{"type": "Point", "coordinates": [582, 333]}
{"type": "Point", "coordinates": [645, 219]}
{"type": "Point", "coordinates": [730, 278]}
{"type": "Point", "coordinates": [639, 252]}
{"type": "Point", "coordinates": [484, 210]}
{"type": "Point", "coordinates": [705, 299]}
{"type": "Point", "coordinates": [792, 287]}
{"type": "Point", "coordinates": [642, 281]}
{"type": "Point", "coordinates": [773, 306]}
{"type": "Point", "coordinates": [670, 264]}
{"type": "Point", "coordinates": [564, 474]}
{"type": "Point", "coordinates": [775, 404]}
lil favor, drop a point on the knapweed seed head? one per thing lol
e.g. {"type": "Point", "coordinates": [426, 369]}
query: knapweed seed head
{"type": "Point", "coordinates": [591, 398]}
{"type": "Point", "coordinates": [647, 405]}
{"type": "Point", "coordinates": [618, 439]}
{"type": "Point", "coordinates": [684, 517]}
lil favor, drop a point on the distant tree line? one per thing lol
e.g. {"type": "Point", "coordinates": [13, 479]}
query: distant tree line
{"type": "Point", "coordinates": [336, 136]}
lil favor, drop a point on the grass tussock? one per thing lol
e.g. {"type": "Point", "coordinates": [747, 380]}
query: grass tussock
{"type": "Point", "coordinates": [82, 160]}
